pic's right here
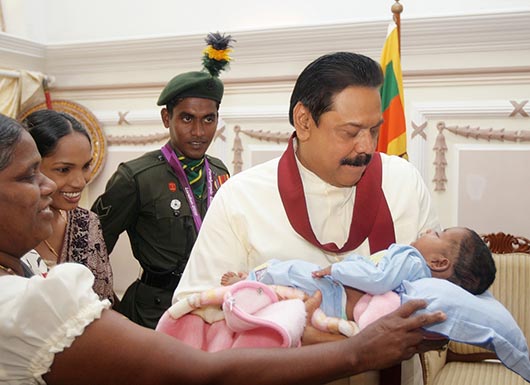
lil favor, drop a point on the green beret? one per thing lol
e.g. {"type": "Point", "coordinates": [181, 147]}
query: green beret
{"type": "Point", "coordinates": [196, 84]}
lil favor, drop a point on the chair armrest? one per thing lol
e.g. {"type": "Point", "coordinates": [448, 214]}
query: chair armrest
{"type": "Point", "coordinates": [431, 363]}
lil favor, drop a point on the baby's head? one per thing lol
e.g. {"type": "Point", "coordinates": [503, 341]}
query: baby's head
{"type": "Point", "coordinates": [459, 255]}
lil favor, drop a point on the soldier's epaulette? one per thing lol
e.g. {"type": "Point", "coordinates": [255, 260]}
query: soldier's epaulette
{"type": "Point", "coordinates": [145, 162]}
{"type": "Point", "coordinates": [218, 163]}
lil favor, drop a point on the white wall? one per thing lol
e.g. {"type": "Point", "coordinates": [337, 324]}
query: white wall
{"type": "Point", "coordinates": [61, 21]}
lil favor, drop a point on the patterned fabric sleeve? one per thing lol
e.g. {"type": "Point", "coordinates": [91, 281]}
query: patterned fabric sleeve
{"type": "Point", "coordinates": [38, 323]}
{"type": "Point", "coordinates": [84, 244]}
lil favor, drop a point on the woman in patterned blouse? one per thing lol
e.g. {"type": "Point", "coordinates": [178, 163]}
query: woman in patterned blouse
{"type": "Point", "coordinates": [66, 151]}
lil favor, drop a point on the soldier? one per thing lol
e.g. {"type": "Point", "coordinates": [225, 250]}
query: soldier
{"type": "Point", "coordinates": [161, 197]}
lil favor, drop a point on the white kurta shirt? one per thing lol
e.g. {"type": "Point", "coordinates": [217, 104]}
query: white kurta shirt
{"type": "Point", "coordinates": [329, 208]}
{"type": "Point", "coordinates": [246, 223]}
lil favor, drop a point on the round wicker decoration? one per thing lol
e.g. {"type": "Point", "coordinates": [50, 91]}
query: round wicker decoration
{"type": "Point", "coordinates": [88, 120]}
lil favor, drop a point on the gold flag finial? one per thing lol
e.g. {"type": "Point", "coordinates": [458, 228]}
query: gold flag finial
{"type": "Point", "coordinates": [397, 8]}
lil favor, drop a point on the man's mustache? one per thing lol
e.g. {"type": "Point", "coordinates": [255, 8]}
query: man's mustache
{"type": "Point", "coordinates": [358, 161]}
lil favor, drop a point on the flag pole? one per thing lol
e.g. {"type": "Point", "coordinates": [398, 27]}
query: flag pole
{"type": "Point", "coordinates": [397, 8]}
{"type": "Point", "coordinates": [2, 20]}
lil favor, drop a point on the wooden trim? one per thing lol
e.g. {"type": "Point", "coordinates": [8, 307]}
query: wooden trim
{"type": "Point", "coordinates": [502, 243]}
{"type": "Point", "coordinates": [474, 357]}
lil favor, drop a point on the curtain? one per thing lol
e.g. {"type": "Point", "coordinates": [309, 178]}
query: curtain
{"type": "Point", "coordinates": [19, 93]}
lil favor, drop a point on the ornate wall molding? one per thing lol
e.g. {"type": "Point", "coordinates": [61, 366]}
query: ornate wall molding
{"type": "Point", "coordinates": [493, 75]}
{"type": "Point", "coordinates": [23, 47]}
{"type": "Point", "coordinates": [487, 134]}
{"type": "Point", "coordinates": [423, 112]}
{"type": "Point", "coordinates": [266, 136]}
{"type": "Point", "coordinates": [518, 108]}
{"type": "Point", "coordinates": [136, 140]}
{"type": "Point", "coordinates": [16, 53]}
{"type": "Point", "coordinates": [255, 114]}
{"type": "Point", "coordinates": [462, 109]}
{"type": "Point", "coordinates": [134, 117]}
{"type": "Point", "coordinates": [151, 117]}
{"type": "Point", "coordinates": [421, 115]}
{"type": "Point", "coordinates": [284, 52]}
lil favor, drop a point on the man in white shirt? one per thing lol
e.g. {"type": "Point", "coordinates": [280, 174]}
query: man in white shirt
{"type": "Point", "coordinates": [329, 194]}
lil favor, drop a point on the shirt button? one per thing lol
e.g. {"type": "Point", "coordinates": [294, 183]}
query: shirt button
{"type": "Point", "coordinates": [157, 300]}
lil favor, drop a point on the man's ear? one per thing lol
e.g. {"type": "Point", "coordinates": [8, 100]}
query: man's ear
{"type": "Point", "coordinates": [439, 263]}
{"type": "Point", "coordinates": [303, 121]}
{"type": "Point", "coordinates": [164, 114]}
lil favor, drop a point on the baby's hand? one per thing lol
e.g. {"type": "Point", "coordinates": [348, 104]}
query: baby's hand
{"type": "Point", "coordinates": [321, 273]}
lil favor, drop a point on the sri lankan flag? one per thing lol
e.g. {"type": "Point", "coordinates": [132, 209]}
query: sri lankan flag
{"type": "Point", "coordinates": [393, 133]}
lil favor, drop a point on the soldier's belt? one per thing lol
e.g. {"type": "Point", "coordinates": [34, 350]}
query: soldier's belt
{"type": "Point", "coordinates": [161, 281]}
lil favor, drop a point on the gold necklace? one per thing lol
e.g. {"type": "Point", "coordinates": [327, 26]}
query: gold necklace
{"type": "Point", "coordinates": [50, 247]}
{"type": "Point", "coordinates": [8, 270]}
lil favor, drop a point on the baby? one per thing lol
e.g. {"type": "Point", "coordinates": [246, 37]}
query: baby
{"type": "Point", "coordinates": [362, 290]}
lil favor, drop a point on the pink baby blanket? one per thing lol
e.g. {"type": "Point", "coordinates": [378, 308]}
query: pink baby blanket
{"type": "Point", "coordinates": [253, 317]}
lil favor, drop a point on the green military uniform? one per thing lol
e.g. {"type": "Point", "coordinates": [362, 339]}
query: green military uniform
{"type": "Point", "coordinates": [145, 198]}
{"type": "Point", "coordinates": [140, 199]}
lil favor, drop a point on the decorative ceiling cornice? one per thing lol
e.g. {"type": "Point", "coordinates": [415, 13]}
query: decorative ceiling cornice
{"type": "Point", "coordinates": [15, 45]}
{"type": "Point", "coordinates": [267, 55]}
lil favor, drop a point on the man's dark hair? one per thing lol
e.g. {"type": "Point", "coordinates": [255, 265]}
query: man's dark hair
{"type": "Point", "coordinates": [475, 268]}
{"type": "Point", "coordinates": [328, 75]}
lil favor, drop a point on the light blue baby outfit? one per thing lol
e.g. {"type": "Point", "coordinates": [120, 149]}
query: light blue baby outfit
{"type": "Point", "coordinates": [398, 263]}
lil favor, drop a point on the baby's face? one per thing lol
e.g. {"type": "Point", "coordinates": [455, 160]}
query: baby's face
{"type": "Point", "coordinates": [433, 243]}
